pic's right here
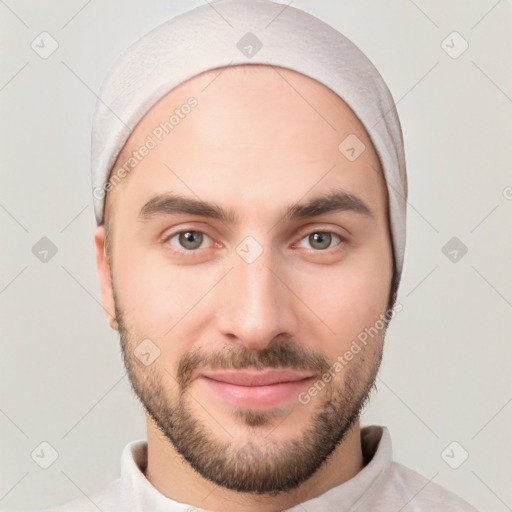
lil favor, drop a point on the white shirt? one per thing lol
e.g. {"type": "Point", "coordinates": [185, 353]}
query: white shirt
{"type": "Point", "coordinates": [382, 485]}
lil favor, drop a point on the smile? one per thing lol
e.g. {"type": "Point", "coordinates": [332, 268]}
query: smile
{"type": "Point", "coordinates": [256, 389]}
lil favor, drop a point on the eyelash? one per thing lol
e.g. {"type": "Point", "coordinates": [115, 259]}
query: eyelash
{"type": "Point", "coordinates": [190, 252]}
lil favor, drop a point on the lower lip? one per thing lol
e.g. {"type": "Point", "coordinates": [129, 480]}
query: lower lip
{"type": "Point", "coordinates": [257, 396]}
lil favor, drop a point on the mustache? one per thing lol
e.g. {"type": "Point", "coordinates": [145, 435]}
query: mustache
{"type": "Point", "coordinates": [285, 354]}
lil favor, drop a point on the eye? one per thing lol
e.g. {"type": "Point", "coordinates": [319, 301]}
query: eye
{"type": "Point", "coordinates": [321, 240]}
{"type": "Point", "coordinates": [188, 240]}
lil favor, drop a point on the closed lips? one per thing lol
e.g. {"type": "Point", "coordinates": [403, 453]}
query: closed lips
{"type": "Point", "coordinates": [257, 378]}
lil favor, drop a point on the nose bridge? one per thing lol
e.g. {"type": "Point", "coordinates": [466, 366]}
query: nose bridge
{"type": "Point", "coordinates": [256, 306]}
{"type": "Point", "coordinates": [258, 285]}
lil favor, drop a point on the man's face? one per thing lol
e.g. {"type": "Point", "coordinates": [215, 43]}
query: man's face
{"type": "Point", "coordinates": [260, 291]}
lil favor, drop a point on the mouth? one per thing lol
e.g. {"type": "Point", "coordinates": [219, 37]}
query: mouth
{"type": "Point", "coordinates": [256, 389]}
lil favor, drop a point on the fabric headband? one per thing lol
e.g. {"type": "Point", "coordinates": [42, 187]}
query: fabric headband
{"type": "Point", "coordinates": [233, 32]}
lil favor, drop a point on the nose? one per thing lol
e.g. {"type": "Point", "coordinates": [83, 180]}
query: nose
{"type": "Point", "coordinates": [255, 304]}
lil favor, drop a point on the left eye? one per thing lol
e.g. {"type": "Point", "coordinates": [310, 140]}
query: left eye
{"type": "Point", "coordinates": [321, 240]}
{"type": "Point", "coordinates": [188, 240]}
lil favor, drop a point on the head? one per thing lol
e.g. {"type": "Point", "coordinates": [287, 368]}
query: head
{"type": "Point", "coordinates": [265, 285]}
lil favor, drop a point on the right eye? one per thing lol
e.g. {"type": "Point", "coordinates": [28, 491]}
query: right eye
{"type": "Point", "coordinates": [187, 240]}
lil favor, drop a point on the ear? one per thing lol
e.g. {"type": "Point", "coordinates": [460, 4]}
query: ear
{"type": "Point", "coordinates": [104, 273]}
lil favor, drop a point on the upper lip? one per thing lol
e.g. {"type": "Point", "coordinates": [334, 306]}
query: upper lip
{"type": "Point", "coordinates": [256, 377]}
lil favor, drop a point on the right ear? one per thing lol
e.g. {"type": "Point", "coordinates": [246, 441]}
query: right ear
{"type": "Point", "coordinates": [105, 275]}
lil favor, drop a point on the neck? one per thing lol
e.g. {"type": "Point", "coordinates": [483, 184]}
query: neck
{"type": "Point", "coordinates": [172, 476]}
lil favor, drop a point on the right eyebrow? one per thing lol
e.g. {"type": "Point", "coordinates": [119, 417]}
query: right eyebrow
{"type": "Point", "coordinates": [168, 204]}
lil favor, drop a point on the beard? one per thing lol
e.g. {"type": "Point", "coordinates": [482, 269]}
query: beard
{"type": "Point", "coordinates": [270, 467]}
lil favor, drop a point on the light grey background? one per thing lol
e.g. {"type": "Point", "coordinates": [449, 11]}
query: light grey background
{"type": "Point", "coordinates": [447, 362]}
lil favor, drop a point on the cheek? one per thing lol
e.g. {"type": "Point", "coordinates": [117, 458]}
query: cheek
{"type": "Point", "coordinates": [349, 298]}
{"type": "Point", "coordinates": [155, 308]}
{"type": "Point", "coordinates": [161, 299]}
{"type": "Point", "coordinates": [144, 291]}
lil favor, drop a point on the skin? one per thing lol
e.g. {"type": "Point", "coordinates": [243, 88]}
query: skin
{"type": "Point", "coordinates": [254, 145]}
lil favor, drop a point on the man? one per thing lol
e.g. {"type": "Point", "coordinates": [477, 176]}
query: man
{"type": "Point", "coordinates": [250, 190]}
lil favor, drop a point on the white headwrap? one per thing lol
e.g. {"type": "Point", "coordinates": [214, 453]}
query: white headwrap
{"type": "Point", "coordinates": [232, 32]}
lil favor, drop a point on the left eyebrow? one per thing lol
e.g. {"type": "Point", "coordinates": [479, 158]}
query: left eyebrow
{"type": "Point", "coordinates": [337, 201]}
{"type": "Point", "coordinates": [168, 204]}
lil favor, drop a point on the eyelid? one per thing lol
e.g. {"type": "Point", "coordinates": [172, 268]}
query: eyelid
{"type": "Point", "coordinates": [324, 228]}
{"type": "Point", "coordinates": [172, 234]}
{"type": "Point", "coordinates": [182, 228]}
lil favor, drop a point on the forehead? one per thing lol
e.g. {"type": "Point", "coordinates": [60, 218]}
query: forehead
{"type": "Point", "coordinates": [254, 126]}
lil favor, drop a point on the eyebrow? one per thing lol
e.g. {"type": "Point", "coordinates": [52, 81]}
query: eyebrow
{"type": "Point", "coordinates": [334, 201]}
